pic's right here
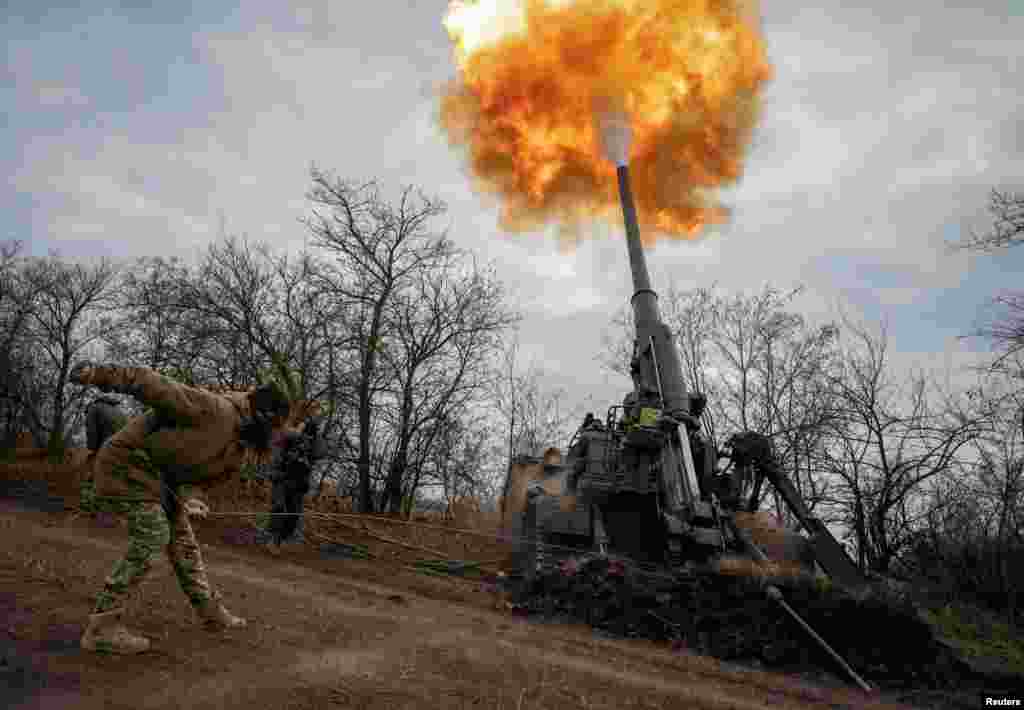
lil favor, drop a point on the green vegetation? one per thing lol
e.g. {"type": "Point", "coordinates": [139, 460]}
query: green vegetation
{"type": "Point", "coordinates": [979, 635]}
{"type": "Point", "coordinates": [446, 568]}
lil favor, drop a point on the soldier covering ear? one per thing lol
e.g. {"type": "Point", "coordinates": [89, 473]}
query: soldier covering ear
{"type": "Point", "coordinates": [154, 469]}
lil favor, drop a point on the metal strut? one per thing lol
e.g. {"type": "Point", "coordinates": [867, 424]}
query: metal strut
{"type": "Point", "coordinates": [775, 594]}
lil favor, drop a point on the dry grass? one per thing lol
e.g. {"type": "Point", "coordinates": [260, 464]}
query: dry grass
{"type": "Point", "coordinates": [782, 546]}
{"type": "Point", "coordinates": [64, 478]}
{"type": "Point", "coordinates": [32, 465]}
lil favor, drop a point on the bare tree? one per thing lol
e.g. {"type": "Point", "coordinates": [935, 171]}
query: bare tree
{"type": "Point", "coordinates": [972, 545]}
{"type": "Point", "coordinates": [1007, 210]}
{"type": "Point", "coordinates": [887, 443]}
{"type": "Point", "coordinates": [537, 416]}
{"type": "Point", "coordinates": [70, 317]}
{"type": "Point", "coordinates": [762, 367]}
{"type": "Point", "coordinates": [446, 326]}
{"type": "Point", "coordinates": [313, 335]}
{"type": "Point", "coordinates": [154, 325]}
{"type": "Point", "coordinates": [1006, 330]}
{"type": "Point", "coordinates": [798, 402]}
{"type": "Point", "coordinates": [304, 319]}
{"type": "Point", "coordinates": [235, 300]}
{"type": "Point", "coordinates": [457, 459]}
{"type": "Point", "coordinates": [944, 553]}
{"type": "Point", "coordinates": [533, 417]}
{"type": "Point", "coordinates": [1000, 483]}
{"type": "Point", "coordinates": [20, 372]}
{"type": "Point", "coordinates": [379, 248]}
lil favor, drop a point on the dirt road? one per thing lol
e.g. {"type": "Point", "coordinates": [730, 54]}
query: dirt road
{"type": "Point", "coordinates": [326, 633]}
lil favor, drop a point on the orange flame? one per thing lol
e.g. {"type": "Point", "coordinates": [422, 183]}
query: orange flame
{"type": "Point", "coordinates": [532, 73]}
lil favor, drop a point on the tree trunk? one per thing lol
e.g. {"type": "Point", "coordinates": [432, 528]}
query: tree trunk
{"type": "Point", "coordinates": [1002, 549]}
{"type": "Point", "coordinates": [365, 503]}
{"type": "Point", "coordinates": [369, 367]}
{"type": "Point", "coordinates": [410, 495]}
{"type": "Point", "coordinates": [56, 443]}
{"type": "Point", "coordinates": [1011, 596]}
{"type": "Point", "coordinates": [400, 461]}
{"type": "Point", "coordinates": [393, 491]}
{"type": "Point", "coordinates": [862, 537]}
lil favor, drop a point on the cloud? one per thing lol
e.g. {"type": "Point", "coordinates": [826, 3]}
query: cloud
{"type": "Point", "coordinates": [883, 130]}
{"type": "Point", "coordinates": [57, 95]}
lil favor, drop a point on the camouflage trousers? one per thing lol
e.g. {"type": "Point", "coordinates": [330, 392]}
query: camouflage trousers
{"type": "Point", "coordinates": [87, 496]}
{"type": "Point", "coordinates": [89, 500]}
{"type": "Point", "coordinates": [150, 531]}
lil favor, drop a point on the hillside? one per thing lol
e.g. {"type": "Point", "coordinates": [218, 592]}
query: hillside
{"type": "Point", "coordinates": [330, 631]}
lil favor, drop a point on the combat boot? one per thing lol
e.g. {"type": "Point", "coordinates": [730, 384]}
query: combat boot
{"type": "Point", "coordinates": [106, 634]}
{"type": "Point", "coordinates": [215, 617]}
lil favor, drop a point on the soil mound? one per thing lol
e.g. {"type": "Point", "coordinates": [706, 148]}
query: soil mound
{"type": "Point", "coordinates": [881, 635]}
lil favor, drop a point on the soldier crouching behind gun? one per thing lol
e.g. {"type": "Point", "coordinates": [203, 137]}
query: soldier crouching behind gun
{"type": "Point", "coordinates": [103, 419]}
{"type": "Point", "coordinates": [190, 436]}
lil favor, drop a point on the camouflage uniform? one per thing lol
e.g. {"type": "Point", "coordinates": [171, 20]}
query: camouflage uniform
{"type": "Point", "coordinates": [149, 468]}
{"type": "Point", "coordinates": [150, 532]}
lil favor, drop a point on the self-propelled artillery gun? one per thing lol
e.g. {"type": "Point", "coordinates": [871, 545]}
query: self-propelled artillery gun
{"type": "Point", "coordinates": [644, 485]}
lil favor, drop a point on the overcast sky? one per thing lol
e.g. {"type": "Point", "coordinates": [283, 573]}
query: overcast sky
{"type": "Point", "coordinates": [132, 132]}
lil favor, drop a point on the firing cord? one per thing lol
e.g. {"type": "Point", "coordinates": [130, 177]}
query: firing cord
{"type": "Point", "coordinates": [651, 570]}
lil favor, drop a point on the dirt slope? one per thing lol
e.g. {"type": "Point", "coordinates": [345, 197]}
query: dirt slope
{"type": "Point", "coordinates": [326, 633]}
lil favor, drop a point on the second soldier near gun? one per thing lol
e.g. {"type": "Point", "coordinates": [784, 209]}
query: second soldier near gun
{"type": "Point", "coordinates": [103, 419]}
{"type": "Point", "coordinates": [295, 454]}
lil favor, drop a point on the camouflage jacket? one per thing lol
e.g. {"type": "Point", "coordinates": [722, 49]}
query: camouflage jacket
{"type": "Point", "coordinates": [190, 435]}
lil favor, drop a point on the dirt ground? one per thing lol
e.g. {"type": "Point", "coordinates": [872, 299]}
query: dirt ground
{"type": "Point", "coordinates": [326, 633]}
{"type": "Point", "coordinates": [329, 631]}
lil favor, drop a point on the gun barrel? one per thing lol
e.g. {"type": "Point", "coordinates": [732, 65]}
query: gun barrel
{"type": "Point", "coordinates": [656, 365]}
{"type": "Point", "coordinates": [645, 300]}
{"type": "Point", "coordinates": [649, 327]}
{"type": "Point", "coordinates": [637, 262]}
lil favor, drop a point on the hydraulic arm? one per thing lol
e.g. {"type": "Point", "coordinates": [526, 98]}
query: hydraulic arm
{"type": "Point", "coordinates": [752, 453]}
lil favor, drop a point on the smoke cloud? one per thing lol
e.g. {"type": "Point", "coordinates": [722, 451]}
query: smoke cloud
{"type": "Point", "coordinates": [687, 74]}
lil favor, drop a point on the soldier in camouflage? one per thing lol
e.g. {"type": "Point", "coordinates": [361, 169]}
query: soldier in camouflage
{"type": "Point", "coordinates": [150, 469]}
{"type": "Point", "coordinates": [294, 456]}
